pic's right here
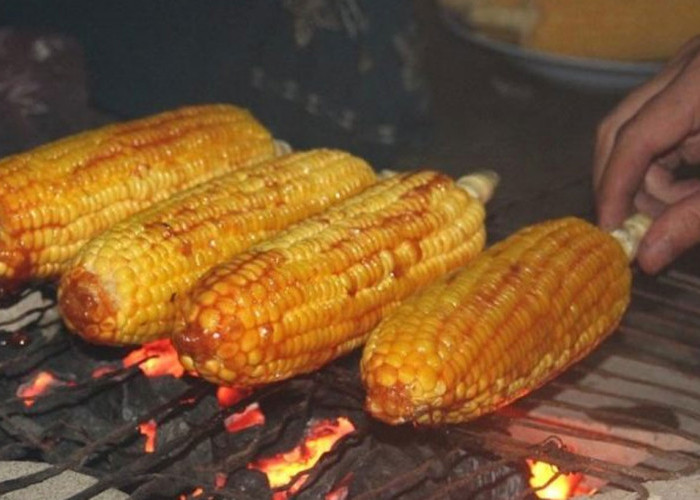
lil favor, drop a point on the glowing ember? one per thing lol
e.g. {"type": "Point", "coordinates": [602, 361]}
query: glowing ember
{"type": "Point", "coordinates": [340, 493]}
{"type": "Point", "coordinates": [40, 384]}
{"type": "Point", "coordinates": [101, 371]}
{"type": "Point", "coordinates": [249, 417]}
{"type": "Point", "coordinates": [560, 488]}
{"type": "Point", "coordinates": [220, 480]}
{"type": "Point", "coordinates": [229, 396]}
{"type": "Point", "coordinates": [281, 468]}
{"type": "Point", "coordinates": [197, 492]}
{"type": "Point", "coordinates": [149, 429]}
{"type": "Point", "coordinates": [342, 489]}
{"type": "Point", "coordinates": [163, 359]}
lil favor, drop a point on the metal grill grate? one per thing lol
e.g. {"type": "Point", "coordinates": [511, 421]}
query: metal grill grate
{"type": "Point", "coordinates": [627, 414]}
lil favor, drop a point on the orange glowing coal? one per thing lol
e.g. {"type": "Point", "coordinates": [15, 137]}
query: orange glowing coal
{"type": "Point", "coordinates": [249, 417]}
{"type": "Point", "coordinates": [197, 492]}
{"type": "Point", "coordinates": [156, 359]}
{"type": "Point", "coordinates": [320, 438]}
{"type": "Point", "coordinates": [229, 396]}
{"type": "Point", "coordinates": [149, 430]}
{"type": "Point", "coordinates": [102, 371]}
{"type": "Point", "coordinates": [38, 385]}
{"type": "Point", "coordinates": [220, 480]}
{"type": "Point", "coordinates": [559, 486]}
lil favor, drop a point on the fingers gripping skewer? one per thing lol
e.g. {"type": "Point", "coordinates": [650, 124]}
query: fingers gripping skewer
{"type": "Point", "coordinates": [631, 233]}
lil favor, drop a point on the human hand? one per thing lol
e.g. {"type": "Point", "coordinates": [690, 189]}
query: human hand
{"type": "Point", "coordinates": [651, 132]}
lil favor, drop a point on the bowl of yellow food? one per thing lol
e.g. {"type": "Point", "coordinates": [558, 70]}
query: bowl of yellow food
{"type": "Point", "coordinates": [589, 43]}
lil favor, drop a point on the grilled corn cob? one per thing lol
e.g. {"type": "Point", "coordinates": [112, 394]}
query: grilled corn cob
{"type": "Point", "coordinates": [309, 295]}
{"type": "Point", "coordinates": [55, 197]}
{"type": "Point", "coordinates": [515, 317]}
{"type": "Point", "coordinates": [122, 286]}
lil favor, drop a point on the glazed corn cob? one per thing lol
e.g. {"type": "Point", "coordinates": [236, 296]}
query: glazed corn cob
{"type": "Point", "coordinates": [515, 317]}
{"type": "Point", "coordinates": [122, 286]}
{"type": "Point", "coordinates": [55, 197]}
{"type": "Point", "coordinates": [309, 295]}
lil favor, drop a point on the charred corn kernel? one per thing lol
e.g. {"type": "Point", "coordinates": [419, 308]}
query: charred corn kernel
{"type": "Point", "coordinates": [310, 294]}
{"type": "Point", "coordinates": [512, 319]}
{"type": "Point", "coordinates": [122, 286]}
{"type": "Point", "coordinates": [628, 30]}
{"type": "Point", "coordinates": [56, 197]}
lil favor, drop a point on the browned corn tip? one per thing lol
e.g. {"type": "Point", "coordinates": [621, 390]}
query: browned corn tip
{"type": "Point", "coordinates": [57, 196]}
{"type": "Point", "coordinates": [311, 294]}
{"type": "Point", "coordinates": [153, 257]}
{"type": "Point", "coordinates": [88, 307]}
{"type": "Point", "coordinates": [515, 317]}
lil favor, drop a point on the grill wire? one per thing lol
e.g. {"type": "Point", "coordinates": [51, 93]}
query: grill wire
{"type": "Point", "coordinates": [658, 334]}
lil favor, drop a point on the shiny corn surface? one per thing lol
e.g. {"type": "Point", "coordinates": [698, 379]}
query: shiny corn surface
{"type": "Point", "coordinates": [514, 318]}
{"type": "Point", "coordinates": [123, 285]}
{"type": "Point", "coordinates": [311, 294]}
{"type": "Point", "coordinates": [55, 197]}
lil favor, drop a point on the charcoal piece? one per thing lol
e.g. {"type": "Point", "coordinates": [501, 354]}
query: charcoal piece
{"type": "Point", "coordinates": [502, 481]}
{"type": "Point", "coordinates": [142, 393]}
{"type": "Point", "coordinates": [415, 468]}
{"type": "Point", "coordinates": [197, 454]}
{"type": "Point", "coordinates": [245, 484]}
{"type": "Point", "coordinates": [201, 409]}
{"type": "Point", "coordinates": [227, 445]}
{"type": "Point", "coordinates": [15, 451]}
{"type": "Point", "coordinates": [338, 471]}
{"type": "Point", "coordinates": [43, 89]}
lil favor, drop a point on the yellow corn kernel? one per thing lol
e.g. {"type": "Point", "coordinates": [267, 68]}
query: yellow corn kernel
{"type": "Point", "coordinates": [515, 317]}
{"type": "Point", "coordinates": [123, 285]}
{"type": "Point", "coordinates": [313, 292]}
{"type": "Point", "coordinates": [57, 196]}
{"type": "Point", "coordinates": [624, 30]}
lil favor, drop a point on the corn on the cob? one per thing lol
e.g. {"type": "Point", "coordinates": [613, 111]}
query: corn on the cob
{"type": "Point", "coordinates": [55, 197]}
{"type": "Point", "coordinates": [626, 30]}
{"type": "Point", "coordinates": [512, 319]}
{"type": "Point", "coordinates": [309, 295]}
{"type": "Point", "coordinates": [122, 286]}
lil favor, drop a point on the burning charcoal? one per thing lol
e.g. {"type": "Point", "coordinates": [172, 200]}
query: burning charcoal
{"type": "Point", "coordinates": [247, 484]}
{"type": "Point", "coordinates": [191, 464]}
{"type": "Point", "coordinates": [144, 393]}
{"type": "Point", "coordinates": [503, 481]}
{"type": "Point", "coordinates": [16, 339]}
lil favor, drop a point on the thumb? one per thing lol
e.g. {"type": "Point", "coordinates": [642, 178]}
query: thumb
{"type": "Point", "coordinates": [676, 230]}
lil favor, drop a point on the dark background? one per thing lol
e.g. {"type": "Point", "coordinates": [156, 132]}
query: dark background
{"type": "Point", "coordinates": [399, 88]}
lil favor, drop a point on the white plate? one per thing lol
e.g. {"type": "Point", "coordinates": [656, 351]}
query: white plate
{"type": "Point", "coordinates": [579, 72]}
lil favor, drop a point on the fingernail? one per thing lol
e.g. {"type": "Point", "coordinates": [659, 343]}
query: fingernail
{"type": "Point", "coordinates": [657, 253]}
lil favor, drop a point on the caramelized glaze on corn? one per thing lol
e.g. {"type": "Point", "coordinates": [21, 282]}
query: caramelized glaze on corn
{"type": "Point", "coordinates": [512, 319]}
{"type": "Point", "coordinates": [122, 286]}
{"type": "Point", "coordinates": [55, 197]}
{"type": "Point", "coordinates": [311, 294]}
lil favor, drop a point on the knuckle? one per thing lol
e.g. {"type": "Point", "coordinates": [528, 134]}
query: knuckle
{"type": "Point", "coordinates": [631, 134]}
{"type": "Point", "coordinates": [606, 129]}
